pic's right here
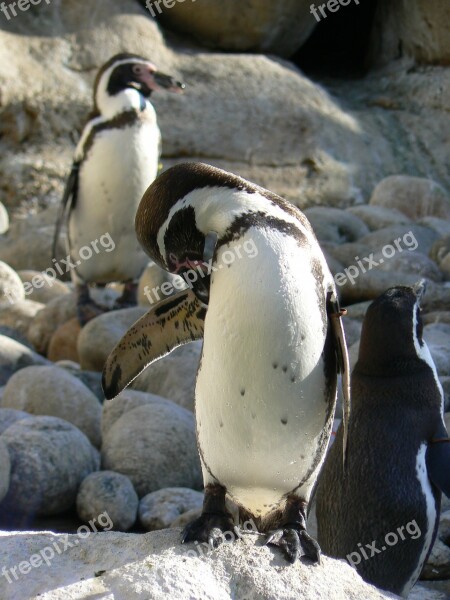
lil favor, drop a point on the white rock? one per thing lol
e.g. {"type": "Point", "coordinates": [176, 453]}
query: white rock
{"type": "Point", "coordinates": [160, 509]}
{"type": "Point", "coordinates": [49, 458]}
{"type": "Point", "coordinates": [11, 287]}
{"type": "Point", "coordinates": [155, 446]}
{"type": "Point", "coordinates": [54, 392]}
{"type": "Point", "coordinates": [4, 219]}
{"type": "Point", "coordinates": [157, 566]}
{"type": "Point", "coordinates": [15, 356]}
{"type": "Point", "coordinates": [113, 493]}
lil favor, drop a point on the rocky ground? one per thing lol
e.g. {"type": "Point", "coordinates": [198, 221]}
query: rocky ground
{"type": "Point", "coordinates": [366, 160]}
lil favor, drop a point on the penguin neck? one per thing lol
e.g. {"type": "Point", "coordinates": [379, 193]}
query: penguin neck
{"type": "Point", "coordinates": [125, 101]}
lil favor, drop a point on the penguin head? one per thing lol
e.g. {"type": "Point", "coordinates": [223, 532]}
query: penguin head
{"type": "Point", "coordinates": [392, 331]}
{"type": "Point", "coordinates": [126, 80]}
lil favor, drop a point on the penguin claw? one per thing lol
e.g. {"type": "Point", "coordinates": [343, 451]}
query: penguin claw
{"type": "Point", "coordinates": [208, 528]}
{"type": "Point", "coordinates": [289, 540]}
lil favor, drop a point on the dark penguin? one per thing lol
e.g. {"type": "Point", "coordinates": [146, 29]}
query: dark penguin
{"type": "Point", "coordinates": [115, 161]}
{"type": "Point", "coordinates": [266, 308]}
{"type": "Point", "coordinates": [382, 514]}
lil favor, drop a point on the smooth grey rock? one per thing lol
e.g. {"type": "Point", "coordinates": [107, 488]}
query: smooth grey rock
{"type": "Point", "coordinates": [352, 330]}
{"type": "Point", "coordinates": [15, 356]}
{"type": "Point", "coordinates": [8, 416]}
{"type": "Point", "coordinates": [409, 238]}
{"type": "Point", "coordinates": [414, 263]}
{"type": "Point", "coordinates": [20, 315]}
{"type": "Point", "coordinates": [49, 460]}
{"type": "Point", "coordinates": [155, 565]}
{"type": "Point", "coordinates": [440, 252]}
{"type": "Point", "coordinates": [160, 509]}
{"type": "Point", "coordinates": [173, 376]}
{"type": "Point", "coordinates": [334, 225]}
{"type": "Point", "coordinates": [40, 287]}
{"type": "Point", "coordinates": [54, 392]}
{"type": "Point", "coordinates": [378, 217]}
{"type": "Point", "coordinates": [5, 469]}
{"type": "Point", "coordinates": [11, 287]}
{"type": "Point", "coordinates": [416, 197]}
{"type": "Point", "coordinates": [155, 446]}
{"type": "Point", "coordinates": [113, 493]}
{"type": "Point", "coordinates": [440, 226]}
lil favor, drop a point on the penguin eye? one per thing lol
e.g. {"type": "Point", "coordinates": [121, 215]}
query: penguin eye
{"type": "Point", "coordinates": [137, 69]}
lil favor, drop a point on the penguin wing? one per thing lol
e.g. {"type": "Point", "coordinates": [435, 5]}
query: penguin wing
{"type": "Point", "coordinates": [68, 202]}
{"type": "Point", "coordinates": [438, 461]}
{"type": "Point", "coordinates": [171, 323]}
{"type": "Point", "coordinates": [335, 315]}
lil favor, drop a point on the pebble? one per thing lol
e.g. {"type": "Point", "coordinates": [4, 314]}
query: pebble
{"type": "Point", "coordinates": [160, 509]}
{"type": "Point", "coordinates": [335, 225]}
{"type": "Point", "coordinates": [11, 287]}
{"type": "Point", "coordinates": [378, 217]}
{"type": "Point", "coordinates": [63, 343]}
{"type": "Point", "coordinates": [39, 287]}
{"type": "Point", "coordinates": [15, 356]}
{"type": "Point", "coordinates": [8, 416]}
{"type": "Point", "coordinates": [20, 315]}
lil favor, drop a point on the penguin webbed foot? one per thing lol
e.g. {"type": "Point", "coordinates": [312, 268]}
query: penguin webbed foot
{"type": "Point", "coordinates": [209, 528]}
{"type": "Point", "coordinates": [128, 299]}
{"type": "Point", "coordinates": [291, 539]}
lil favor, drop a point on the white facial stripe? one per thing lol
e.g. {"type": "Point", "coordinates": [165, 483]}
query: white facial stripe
{"type": "Point", "coordinates": [423, 352]}
{"type": "Point", "coordinates": [112, 105]}
{"type": "Point", "coordinates": [217, 207]}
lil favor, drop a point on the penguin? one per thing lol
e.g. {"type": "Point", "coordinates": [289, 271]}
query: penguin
{"type": "Point", "coordinates": [273, 344]}
{"type": "Point", "coordinates": [382, 513]}
{"type": "Point", "coordinates": [116, 159]}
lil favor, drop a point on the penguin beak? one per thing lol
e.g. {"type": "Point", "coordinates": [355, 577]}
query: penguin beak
{"type": "Point", "coordinates": [155, 80]}
{"type": "Point", "coordinates": [419, 289]}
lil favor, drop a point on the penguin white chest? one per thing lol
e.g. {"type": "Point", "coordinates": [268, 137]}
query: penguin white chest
{"type": "Point", "coordinates": [263, 401]}
{"type": "Point", "coordinates": [119, 167]}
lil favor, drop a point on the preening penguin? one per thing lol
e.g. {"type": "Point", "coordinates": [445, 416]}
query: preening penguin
{"type": "Point", "coordinates": [273, 344]}
{"type": "Point", "coordinates": [115, 161]}
{"type": "Point", "coordinates": [382, 514]}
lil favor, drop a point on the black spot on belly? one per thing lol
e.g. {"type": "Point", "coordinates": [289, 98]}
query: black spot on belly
{"type": "Point", "coordinates": [284, 368]}
{"type": "Point", "coordinates": [293, 378]}
{"type": "Point", "coordinates": [275, 365]}
{"type": "Point", "coordinates": [242, 392]}
{"type": "Point", "coordinates": [220, 424]}
{"type": "Point", "coordinates": [253, 416]}
{"type": "Point", "coordinates": [284, 421]}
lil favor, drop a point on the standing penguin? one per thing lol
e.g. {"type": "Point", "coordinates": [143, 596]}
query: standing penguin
{"type": "Point", "coordinates": [382, 513]}
{"type": "Point", "coordinates": [266, 385]}
{"type": "Point", "coordinates": [115, 161]}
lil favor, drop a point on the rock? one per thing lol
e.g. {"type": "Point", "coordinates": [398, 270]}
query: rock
{"type": "Point", "coordinates": [440, 252]}
{"type": "Point", "coordinates": [100, 335]}
{"type": "Point", "coordinates": [155, 446]}
{"type": "Point", "coordinates": [113, 493]}
{"type": "Point", "coordinates": [173, 376]}
{"type": "Point", "coordinates": [93, 381]}
{"type": "Point", "coordinates": [265, 27]}
{"type": "Point", "coordinates": [414, 196]}
{"type": "Point", "coordinates": [438, 563]}
{"type": "Point", "coordinates": [445, 382]}
{"type": "Point", "coordinates": [348, 254]}
{"type": "Point", "coordinates": [40, 287]}
{"type": "Point", "coordinates": [370, 285]}
{"type": "Point", "coordinates": [59, 311]}
{"type": "Point", "coordinates": [63, 343]}
{"type": "Point", "coordinates": [440, 226]}
{"type": "Point", "coordinates": [408, 238]}
{"type": "Point", "coordinates": [187, 517]}
{"type": "Point", "coordinates": [159, 509]}
{"type": "Point", "coordinates": [20, 315]}
{"type": "Point", "coordinates": [414, 263]}
{"type": "Point", "coordinates": [334, 225]}
{"type": "Point", "coordinates": [150, 283]}
{"type": "Point", "coordinates": [437, 337]}
{"type": "Point", "coordinates": [15, 356]}
{"type": "Point", "coordinates": [352, 330]}
{"type": "Point", "coordinates": [127, 564]}
{"type": "Point", "coordinates": [440, 316]}
{"type": "Point", "coordinates": [358, 311]}
{"type": "Point", "coordinates": [424, 591]}
{"type": "Point", "coordinates": [11, 287]}
{"type": "Point", "coordinates": [54, 392]}
{"type": "Point", "coordinates": [49, 458]}
{"type": "Point", "coordinates": [123, 403]}
{"type": "Point", "coordinates": [379, 217]}
{"type": "Point", "coordinates": [5, 469]}
{"type": "Point", "coordinates": [15, 335]}
{"type": "Point", "coordinates": [419, 28]}
{"type": "Point", "coordinates": [8, 416]}
{"type": "Point", "coordinates": [4, 219]}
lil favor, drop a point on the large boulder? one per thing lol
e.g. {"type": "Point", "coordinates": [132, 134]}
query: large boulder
{"type": "Point", "coordinates": [157, 566]}
{"type": "Point", "coordinates": [256, 25]}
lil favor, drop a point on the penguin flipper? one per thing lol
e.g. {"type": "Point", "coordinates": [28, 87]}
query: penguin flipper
{"type": "Point", "coordinates": [175, 321]}
{"type": "Point", "coordinates": [343, 364]}
{"type": "Point", "coordinates": [438, 461]}
{"type": "Point", "coordinates": [68, 201]}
